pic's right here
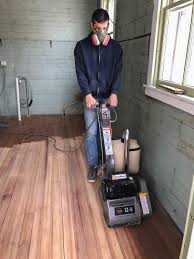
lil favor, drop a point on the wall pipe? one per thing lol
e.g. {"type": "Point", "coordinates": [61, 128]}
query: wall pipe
{"type": "Point", "coordinates": [18, 99]}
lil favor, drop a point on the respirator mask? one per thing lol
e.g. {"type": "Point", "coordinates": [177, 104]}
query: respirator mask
{"type": "Point", "coordinates": [100, 36]}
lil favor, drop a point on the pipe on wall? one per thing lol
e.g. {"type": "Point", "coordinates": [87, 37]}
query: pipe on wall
{"type": "Point", "coordinates": [18, 99]}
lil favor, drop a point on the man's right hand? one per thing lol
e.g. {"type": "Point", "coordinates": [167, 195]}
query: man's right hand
{"type": "Point", "coordinates": [90, 101]}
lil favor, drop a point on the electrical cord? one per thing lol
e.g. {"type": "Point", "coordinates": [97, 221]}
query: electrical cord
{"type": "Point", "coordinates": [71, 150]}
{"type": "Point", "coordinates": [29, 135]}
{"type": "Point", "coordinates": [55, 141]}
{"type": "Point", "coordinates": [32, 135]}
{"type": "Point", "coordinates": [112, 21]}
{"type": "Point", "coordinates": [112, 121]}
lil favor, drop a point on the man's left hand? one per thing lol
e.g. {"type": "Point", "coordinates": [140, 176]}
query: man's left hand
{"type": "Point", "coordinates": [112, 100]}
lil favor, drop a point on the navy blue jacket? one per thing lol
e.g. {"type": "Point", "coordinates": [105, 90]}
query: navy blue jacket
{"type": "Point", "coordinates": [99, 79]}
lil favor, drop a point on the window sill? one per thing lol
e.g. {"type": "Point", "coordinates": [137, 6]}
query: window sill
{"type": "Point", "coordinates": [182, 102]}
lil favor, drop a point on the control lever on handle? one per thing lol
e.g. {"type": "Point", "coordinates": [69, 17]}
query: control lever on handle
{"type": "Point", "coordinates": [125, 140]}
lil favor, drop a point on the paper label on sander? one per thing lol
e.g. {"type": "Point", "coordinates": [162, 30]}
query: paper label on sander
{"type": "Point", "coordinates": [144, 203]}
{"type": "Point", "coordinates": [119, 176]}
{"type": "Point", "coordinates": [107, 142]}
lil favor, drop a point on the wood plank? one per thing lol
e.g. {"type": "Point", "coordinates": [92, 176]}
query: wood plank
{"type": "Point", "coordinates": [58, 249]}
{"type": "Point", "coordinates": [69, 235]}
{"type": "Point", "coordinates": [97, 217]}
{"type": "Point", "coordinates": [7, 158]}
{"type": "Point", "coordinates": [93, 247]}
{"type": "Point", "coordinates": [125, 244]}
{"type": "Point", "coordinates": [8, 179]}
{"type": "Point", "coordinates": [28, 170]}
{"type": "Point", "coordinates": [36, 229]}
{"type": "Point", "coordinates": [78, 228]}
{"type": "Point", "coordinates": [25, 236]}
{"type": "Point", "coordinates": [45, 250]}
{"type": "Point", "coordinates": [26, 231]}
{"type": "Point", "coordinates": [9, 206]}
{"type": "Point", "coordinates": [89, 228]}
{"type": "Point", "coordinates": [74, 208]}
{"type": "Point", "coordinates": [13, 219]}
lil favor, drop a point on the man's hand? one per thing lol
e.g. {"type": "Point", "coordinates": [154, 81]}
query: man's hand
{"type": "Point", "coordinates": [90, 101]}
{"type": "Point", "coordinates": [113, 101]}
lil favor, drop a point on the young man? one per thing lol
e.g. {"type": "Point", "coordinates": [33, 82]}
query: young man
{"type": "Point", "coordinates": [98, 62]}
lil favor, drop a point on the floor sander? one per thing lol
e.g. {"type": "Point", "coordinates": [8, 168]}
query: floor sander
{"type": "Point", "coordinates": [124, 192]}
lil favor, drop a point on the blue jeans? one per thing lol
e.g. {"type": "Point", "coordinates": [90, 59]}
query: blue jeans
{"type": "Point", "coordinates": [90, 116]}
{"type": "Point", "coordinates": [92, 140]}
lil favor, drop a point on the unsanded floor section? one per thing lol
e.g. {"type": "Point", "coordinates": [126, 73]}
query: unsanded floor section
{"type": "Point", "coordinates": [49, 210]}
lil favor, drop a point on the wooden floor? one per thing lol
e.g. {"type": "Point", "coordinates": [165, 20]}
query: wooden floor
{"type": "Point", "coordinates": [49, 210]}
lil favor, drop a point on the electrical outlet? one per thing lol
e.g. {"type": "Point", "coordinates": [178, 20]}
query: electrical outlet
{"type": "Point", "coordinates": [3, 63]}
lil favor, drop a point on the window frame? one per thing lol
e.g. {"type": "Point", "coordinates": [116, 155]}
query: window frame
{"type": "Point", "coordinates": [188, 90]}
{"type": "Point", "coordinates": [184, 102]}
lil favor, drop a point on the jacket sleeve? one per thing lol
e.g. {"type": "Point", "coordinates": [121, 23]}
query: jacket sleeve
{"type": "Point", "coordinates": [118, 70]}
{"type": "Point", "coordinates": [80, 70]}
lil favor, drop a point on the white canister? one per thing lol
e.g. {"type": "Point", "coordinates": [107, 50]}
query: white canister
{"type": "Point", "coordinates": [133, 156]}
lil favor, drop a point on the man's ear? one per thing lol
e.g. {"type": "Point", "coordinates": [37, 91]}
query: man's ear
{"type": "Point", "coordinates": [92, 26]}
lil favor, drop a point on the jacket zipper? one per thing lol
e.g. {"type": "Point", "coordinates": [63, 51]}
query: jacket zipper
{"type": "Point", "coordinates": [98, 90]}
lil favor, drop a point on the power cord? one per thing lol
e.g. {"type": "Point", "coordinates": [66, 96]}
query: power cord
{"type": "Point", "coordinates": [55, 141]}
{"type": "Point", "coordinates": [112, 121]}
{"type": "Point", "coordinates": [31, 135]}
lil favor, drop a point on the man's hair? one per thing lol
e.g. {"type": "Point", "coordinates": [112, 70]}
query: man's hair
{"type": "Point", "coordinates": [100, 15]}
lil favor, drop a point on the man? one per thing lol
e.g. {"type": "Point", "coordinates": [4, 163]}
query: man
{"type": "Point", "coordinates": [98, 62]}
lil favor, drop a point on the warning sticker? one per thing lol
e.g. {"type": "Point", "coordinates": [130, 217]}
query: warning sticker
{"type": "Point", "coordinates": [119, 176]}
{"type": "Point", "coordinates": [144, 203]}
{"type": "Point", "coordinates": [107, 142]}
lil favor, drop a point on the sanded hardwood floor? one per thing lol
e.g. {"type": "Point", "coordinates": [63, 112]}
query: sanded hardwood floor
{"type": "Point", "coordinates": [49, 210]}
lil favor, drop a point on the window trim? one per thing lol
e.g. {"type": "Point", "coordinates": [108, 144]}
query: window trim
{"type": "Point", "coordinates": [182, 102]}
{"type": "Point", "coordinates": [173, 6]}
{"type": "Point", "coordinates": [177, 4]}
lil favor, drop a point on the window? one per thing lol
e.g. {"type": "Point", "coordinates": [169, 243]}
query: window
{"type": "Point", "coordinates": [174, 65]}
